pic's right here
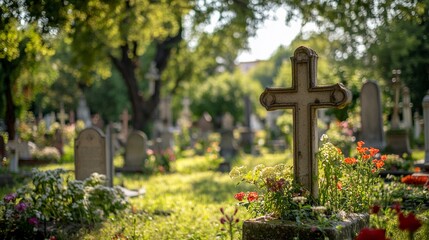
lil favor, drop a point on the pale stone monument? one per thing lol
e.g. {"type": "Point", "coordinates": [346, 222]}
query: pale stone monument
{"type": "Point", "coordinates": [246, 133]}
{"type": "Point", "coordinates": [228, 145]}
{"type": "Point", "coordinates": [397, 137]}
{"type": "Point", "coordinates": [14, 159]}
{"type": "Point", "coordinates": [417, 125]}
{"type": "Point", "coordinates": [135, 151]}
{"type": "Point", "coordinates": [372, 132]}
{"type": "Point", "coordinates": [90, 155]}
{"type": "Point", "coordinates": [305, 97]}
{"type": "Point", "coordinates": [125, 117]}
{"type": "Point", "coordinates": [407, 116]}
{"type": "Point", "coordinates": [83, 112]}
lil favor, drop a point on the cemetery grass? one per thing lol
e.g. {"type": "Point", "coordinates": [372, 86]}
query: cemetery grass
{"type": "Point", "coordinates": [184, 204]}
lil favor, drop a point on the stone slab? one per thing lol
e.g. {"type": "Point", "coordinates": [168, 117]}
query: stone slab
{"type": "Point", "coordinates": [269, 229]}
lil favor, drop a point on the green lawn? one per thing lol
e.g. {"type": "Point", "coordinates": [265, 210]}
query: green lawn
{"type": "Point", "coordinates": [181, 205]}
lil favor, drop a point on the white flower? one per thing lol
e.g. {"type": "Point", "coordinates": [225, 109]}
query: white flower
{"type": "Point", "coordinates": [299, 199]}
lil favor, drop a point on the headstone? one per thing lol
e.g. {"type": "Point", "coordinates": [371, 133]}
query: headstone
{"type": "Point", "coordinates": [49, 120]}
{"type": "Point", "coordinates": [90, 155]}
{"type": "Point", "coordinates": [125, 117]}
{"type": "Point", "coordinates": [164, 124]}
{"type": "Point", "coordinates": [62, 116]}
{"type": "Point", "coordinates": [396, 84]}
{"type": "Point", "coordinates": [228, 146]}
{"type": "Point", "coordinates": [417, 125]}
{"type": "Point", "coordinates": [407, 116]}
{"type": "Point", "coordinates": [246, 133]}
{"type": "Point", "coordinates": [13, 146]}
{"type": "Point", "coordinates": [25, 149]}
{"type": "Point", "coordinates": [397, 138]}
{"type": "Point", "coordinates": [2, 148]}
{"type": "Point", "coordinates": [185, 122]}
{"type": "Point", "coordinates": [304, 97]}
{"type": "Point", "coordinates": [372, 132]}
{"type": "Point", "coordinates": [135, 151]}
{"type": "Point", "coordinates": [425, 104]}
{"type": "Point", "coordinates": [205, 125]}
{"type": "Point", "coordinates": [83, 112]}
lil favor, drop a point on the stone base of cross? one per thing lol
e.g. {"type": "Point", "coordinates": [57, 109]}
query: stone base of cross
{"type": "Point", "coordinates": [305, 97]}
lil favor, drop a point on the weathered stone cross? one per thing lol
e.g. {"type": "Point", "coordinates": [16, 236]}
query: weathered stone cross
{"type": "Point", "coordinates": [304, 98]}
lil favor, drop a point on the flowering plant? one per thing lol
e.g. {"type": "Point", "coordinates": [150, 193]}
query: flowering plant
{"type": "Point", "coordinates": [159, 161]}
{"type": "Point", "coordinates": [347, 183]}
{"type": "Point", "coordinates": [53, 200]}
{"type": "Point", "coordinates": [379, 229]}
{"type": "Point", "coordinates": [345, 186]}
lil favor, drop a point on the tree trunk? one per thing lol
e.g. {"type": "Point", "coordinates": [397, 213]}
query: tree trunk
{"type": "Point", "coordinates": [143, 109]}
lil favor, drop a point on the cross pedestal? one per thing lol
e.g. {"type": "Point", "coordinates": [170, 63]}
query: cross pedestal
{"type": "Point", "coordinates": [304, 97]}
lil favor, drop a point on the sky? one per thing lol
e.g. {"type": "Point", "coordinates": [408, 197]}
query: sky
{"type": "Point", "coordinates": [269, 37]}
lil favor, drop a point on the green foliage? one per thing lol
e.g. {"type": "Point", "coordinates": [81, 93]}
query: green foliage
{"type": "Point", "coordinates": [58, 202]}
{"type": "Point", "coordinates": [224, 93]}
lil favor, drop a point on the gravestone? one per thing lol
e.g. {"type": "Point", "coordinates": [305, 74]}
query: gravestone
{"type": "Point", "coordinates": [246, 133]}
{"type": "Point", "coordinates": [407, 122]}
{"type": "Point", "coordinates": [304, 98]}
{"type": "Point", "coordinates": [417, 125]}
{"type": "Point", "coordinates": [83, 112]}
{"type": "Point", "coordinates": [135, 151]}
{"type": "Point", "coordinates": [228, 146]}
{"type": "Point", "coordinates": [397, 138]}
{"type": "Point", "coordinates": [205, 126]}
{"type": "Point", "coordinates": [184, 121]}
{"type": "Point", "coordinates": [13, 146]}
{"type": "Point", "coordinates": [125, 117]}
{"type": "Point", "coordinates": [164, 124]}
{"type": "Point", "coordinates": [372, 132]}
{"type": "Point", "coordinates": [2, 148]}
{"type": "Point", "coordinates": [90, 155]}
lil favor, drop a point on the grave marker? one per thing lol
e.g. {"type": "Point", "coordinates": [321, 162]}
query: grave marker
{"type": "Point", "coordinates": [90, 155]}
{"type": "Point", "coordinates": [2, 148]}
{"type": "Point", "coordinates": [372, 132]}
{"type": "Point", "coordinates": [135, 151]}
{"type": "Point", "coordinates": [304, 97]}
{"type": "Point", "coordinates": [228, 146]}
{"type": "Point", "coordinates": [407, 116]}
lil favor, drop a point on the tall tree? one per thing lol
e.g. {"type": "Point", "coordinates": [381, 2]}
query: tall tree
{"type": "Point", "coordinates": [133, 35]}
{"type": "Point", "coordinates": [379, 35]}
{"type": "Point", "coordinates": [24, 49]}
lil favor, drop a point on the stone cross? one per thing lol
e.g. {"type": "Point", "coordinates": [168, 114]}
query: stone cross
{"type": "Point", "coordinates": [304, 97]}
{"type": "Point", "coordinates": [62, 116]}
{"type": "Point", "coordinates": [396, 87]}
{"type": "Point", "coordinates": [125, 117]}
{"type": "Point", "coordinates": [406, 108]}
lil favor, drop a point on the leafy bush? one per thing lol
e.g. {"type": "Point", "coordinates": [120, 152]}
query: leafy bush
{"type": "Point", "coordinates": [55, 202]}
{"type": "Point", "coordinates": [346, 185]}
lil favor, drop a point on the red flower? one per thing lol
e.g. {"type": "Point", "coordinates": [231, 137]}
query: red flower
{"type": "Point", "coordinates": [339, 186]}
{"type": "Point", "coordinates": [253, 196]}
{"type": "Point", "coordinates": [372, 234]}
{"type": "Point", "coordinates": [416, 180]}
{"type": "Point", "coordinates": [239, 196]}
{"type": "Point", "coordinates": [222, 220]}
{"type": "Point", "coordinates": [350, 160]}
{"type": "Point", "coordinates": [360, 144]}
{"type": "Point", "coordinates": [409, 223]}
{"type": "Point", "coordinates": [375, 209]}
{"type": "Point", "coordinates": [373, 151]}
